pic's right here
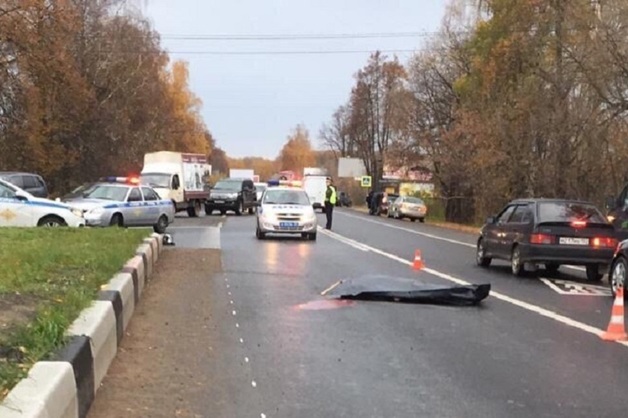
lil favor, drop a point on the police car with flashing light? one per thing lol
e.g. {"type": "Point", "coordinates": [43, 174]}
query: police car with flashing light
{"type": "Point", "coordinates": [123, 201]}
{"type": "Point", "coordinates": [284, 208]}
{"type": "Point", "coordinates": [18, 208]}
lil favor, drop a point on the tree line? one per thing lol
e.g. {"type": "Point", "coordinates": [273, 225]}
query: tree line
{"type": "Point", "coordinates": [512, 98]}
{"type": "Point", "coordinates": [86, 90]}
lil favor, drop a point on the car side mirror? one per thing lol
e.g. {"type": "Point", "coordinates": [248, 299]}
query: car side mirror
{"type": "Point", "coordinates": [490, 220]}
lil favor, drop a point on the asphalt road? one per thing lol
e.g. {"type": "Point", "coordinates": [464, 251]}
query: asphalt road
{"type": "Point", "coordinates": [279, 350]}
{"type": "Point", "coordinates": [529, 352]}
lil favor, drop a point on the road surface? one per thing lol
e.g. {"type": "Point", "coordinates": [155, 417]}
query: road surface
{"type": "Point", "coordinates": [530, 350]}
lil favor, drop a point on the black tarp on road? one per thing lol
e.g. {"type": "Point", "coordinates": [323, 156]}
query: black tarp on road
{"type": "Point", "coordinates": [399, 289]}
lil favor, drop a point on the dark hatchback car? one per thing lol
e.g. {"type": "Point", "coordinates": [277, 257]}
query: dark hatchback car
{"type": "Point", "coordinates": [32, 183]}
{"type": "Point", "coordinates": [549, 232]}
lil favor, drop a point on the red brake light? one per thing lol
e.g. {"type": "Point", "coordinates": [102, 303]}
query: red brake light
{"type": "Point", "coordinates": [541, 239]}
{"type": "Point", "coordinates": [604, 242]}
{"type": "Point", "coordinates": [579, 224]}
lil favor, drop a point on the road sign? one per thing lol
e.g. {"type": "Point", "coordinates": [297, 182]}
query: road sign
{"type": "Point", "coordinates": [365, 181]}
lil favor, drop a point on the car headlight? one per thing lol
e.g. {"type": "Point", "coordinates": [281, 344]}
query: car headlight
{"type": "Point", "coordinates": [269, 216]}
{"type": "Point", "coordinates": [310, 216]}
{"type": "Point", "coordinates": [96, 211]}
{"type": "Point", "coordinates": [77, 212]}
{"type": "Point", "coordinates": [233, 195]}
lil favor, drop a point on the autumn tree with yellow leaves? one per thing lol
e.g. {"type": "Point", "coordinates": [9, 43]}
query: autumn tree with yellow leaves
{"type": "Point", "coordinates": [86, 90]}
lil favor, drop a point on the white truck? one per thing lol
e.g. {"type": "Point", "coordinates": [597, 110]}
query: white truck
{"type": "Point", "coordinates": [315, 186]}
{"type": "Point", "coordinates": [180, 177]}
{"type": "Point", "coordinates": [242, 173]}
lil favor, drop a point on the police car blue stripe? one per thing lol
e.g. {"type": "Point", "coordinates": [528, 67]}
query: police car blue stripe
{"type": "Point", "coordinates": [33, 203]}
{"type": "Point", "coordinates": [138, 204]}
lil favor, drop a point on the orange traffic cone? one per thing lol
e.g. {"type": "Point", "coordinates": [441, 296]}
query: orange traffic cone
{"type": "Point", "coordinates": [616, 330]}
{"type": "Point", "coordinates": [418, 261]}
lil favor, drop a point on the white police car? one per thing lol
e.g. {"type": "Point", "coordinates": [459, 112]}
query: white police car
{"type": "Point", "coordinates": [285, 210]}
{"type": "Point", "coordinates": [123, 201]}
{"type": "Point", "coordinates": [19, 208]}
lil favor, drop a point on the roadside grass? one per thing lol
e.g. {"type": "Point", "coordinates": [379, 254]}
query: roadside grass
{"type": "Point", "coordinates": [47, 277]}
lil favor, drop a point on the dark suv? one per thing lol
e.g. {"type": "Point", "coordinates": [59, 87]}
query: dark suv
{"type": "Point", "coordinates": [233, 194]}
{"type": "Point", "coordinates": [32, 183]}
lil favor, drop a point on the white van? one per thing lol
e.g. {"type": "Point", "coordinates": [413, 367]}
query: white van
{"type": "Point", "coordinates": [315, 187]}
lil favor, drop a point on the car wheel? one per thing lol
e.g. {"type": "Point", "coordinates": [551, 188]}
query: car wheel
{"type": "Point", "coordinates": [251, 211]}
{"type": "Point", "coordinates": [422, 220]}
{"type": "Point", "coordinates": [593, 273]}
{"type": "Point", "coordinates": [312, 236]}
{"type": "Point", "coordinates": [552, 268]}
{"type": "Point", "coordinates": [618, 275]}
{"type": "Point", "coordinates": [239, 209]}
{"type": "Point", "coordinates": [481, 259]}
{"type": "Point", "coordinates": [390, 215]}
{"type": "Point", "coordinates": [195, 210]}
{"type": "Point", "coordinates": [413, 219]}
{"type": "Point", "coordinates": [208, 210]}
{"type": "Point", "coordinates": [117, 220]}
{"type": "Point", "coordinates": [161, 225]}
{"type": "Point", "coordinates": [51, 222]}
{"type": "Point", "coordinates": [516, 265]}
{"type": "Point", "coordinates": [259, 234]}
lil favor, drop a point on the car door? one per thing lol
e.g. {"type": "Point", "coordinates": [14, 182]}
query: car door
{"type": "Point", "coordinates": [517, 225]}
{"type": "Point", "coordinates": [151, 210]}
{"type": "Point", "coordinates": [495, 232]}
{"type": "Point", "coordinates": [14, 211]}
{"type": "Point", "coordinates": [248, 192]}
{"type": "Point", "coordinates": [134, 208]}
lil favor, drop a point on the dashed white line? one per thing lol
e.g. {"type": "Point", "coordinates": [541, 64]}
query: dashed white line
{"type": "Point", "coordinates": [231, 302]}
{"type": "Point", "coordinates": [237, 325]}
{"type": "Point", "coordinates": [227, 286]}
{"type": "Point", "coordinates": [234, 313]}
{"type": "Point", "coordinates": [254, 383]}
{"type": "Point", "coordinates": [242, 340]}
{"type": "Point", "coordinates": [229, 293]}
{"type": "Point", "coordinates": [505, 298]}
{"type": "Point", "coordinates": [246, 359]}
{"type": "Point", "coordinates": [263, 415]}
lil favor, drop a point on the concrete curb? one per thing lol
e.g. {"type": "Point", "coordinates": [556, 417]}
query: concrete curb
{"type": "Point", "coordinates": [66, 386]}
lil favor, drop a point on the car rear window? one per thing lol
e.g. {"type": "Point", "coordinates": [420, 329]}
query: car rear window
{"type": "Point", "coordinates": [414, 200]}
{"type": "Point", "coordinates": [569, 212]}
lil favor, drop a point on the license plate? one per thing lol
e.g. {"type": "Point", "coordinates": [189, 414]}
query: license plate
{"type": "Point", "coordinates": [288, 225]}
{"type": "Point", "coordinates": [219, 201]}
{"type": "Point", "coordinates": [573, 241]}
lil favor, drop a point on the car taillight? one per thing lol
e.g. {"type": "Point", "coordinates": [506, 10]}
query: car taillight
{"type": "Point", "coordinates": [604, 242]}
{"type": "Point", "coordinates": [579, 224]}
{"type": "Point", "coordinates": [541, 239]}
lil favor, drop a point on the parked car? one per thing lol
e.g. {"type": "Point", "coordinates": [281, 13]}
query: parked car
{"type": "Point", "coordinates": [29, 182]}
{"type": "Point", "coordinates": [233, 194]}
{"type": "Point", "coordinates": [409, 207]}
{"type": "Point", "coordinates": [18, 208]}
{"type": "Point", "coordinates": [551, 232]}
{"type": "Point", "coordinates": [122, 201]}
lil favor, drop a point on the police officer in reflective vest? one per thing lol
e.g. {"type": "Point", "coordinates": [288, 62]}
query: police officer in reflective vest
{"type": "Point", "coordinates": [330, 201]}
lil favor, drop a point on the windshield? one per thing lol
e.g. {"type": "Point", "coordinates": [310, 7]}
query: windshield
{"type": "Point", "coordinates": [233, 186]}
{"type": "Point", "coordinates": [156, 179]}
{"type": "Point", "coordinates": [569, 212]}
{"type": "Point", "coordinates": [286, 197]}
{"type": "Point", "coordinates": [79, 191]}
{"type": "Point", "coordinates": [107, 192]}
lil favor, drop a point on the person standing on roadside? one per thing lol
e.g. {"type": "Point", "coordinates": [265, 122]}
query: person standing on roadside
{"type": "Point", "coordinates": [330, 201]}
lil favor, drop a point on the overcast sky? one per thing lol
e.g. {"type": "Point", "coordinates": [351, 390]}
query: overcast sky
{"type": "Point", "coordinates": [252, 101]}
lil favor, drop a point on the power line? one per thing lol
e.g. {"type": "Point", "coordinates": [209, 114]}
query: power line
{"type": "Point", "coordinates": [290, 37]}
{"type": "Point", "coordinates": [294, 52]}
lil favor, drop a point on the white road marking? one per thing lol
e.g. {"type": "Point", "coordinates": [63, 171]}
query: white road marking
{"type": "Point", "coordinates": [424, 234]}
{"type": "Point", "coordinates": [231, 302]}
{"type": "Point", "coordinates": [253, 383]}
{"type": "Point", "coordinates": [566, 287]}
{"type": "Point", "coordinates": [237, 325]}
{"type": "Point", "coordinates": [234, 313]}
{"type": "Point", "coordinates": [505, 298]}
{"type": "Point", "coordinates": [330, 288]}
{"type": "Point", "coordinates": [219, 224]}
{"type": "Point", "coordinates": [227, 286]}
{"type": "Point", "coordinates": [263, 416]}
{"type": "Point", "coordinates": [242, 340]}
{"type": "Point", "coordinates": [229, 293]}
{"type": "Point", "coordinates": [246, 359]}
